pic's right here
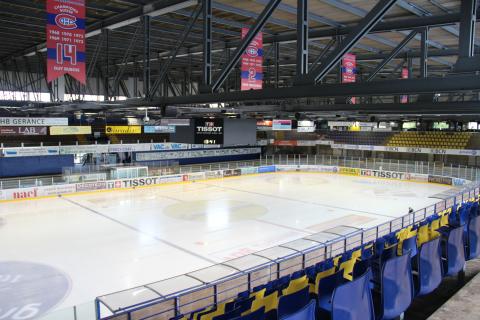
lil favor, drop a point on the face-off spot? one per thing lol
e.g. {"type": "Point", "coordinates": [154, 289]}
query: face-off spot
{"type": "Point", "coordinates": [29, 290]}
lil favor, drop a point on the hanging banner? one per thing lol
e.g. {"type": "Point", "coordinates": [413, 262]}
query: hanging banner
{"type": "Point", "coordinates": [252, 63]}
{"type": "Point", "coordinates": [349, 70]}
{"type": "Point", "coordinates": [405, 75]}
{"type": "Point", "coordinates": [66, 39]}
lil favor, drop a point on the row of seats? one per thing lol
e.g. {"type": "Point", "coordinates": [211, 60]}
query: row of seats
{"type": "Point", "coordinates": [434, 139]}
{"type": "Point", "coordinates": [378, 280]}
{"type": "Point", "coordinates": [359, 137]}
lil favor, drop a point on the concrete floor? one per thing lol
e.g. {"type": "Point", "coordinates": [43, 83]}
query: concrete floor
{"type": "Point", "coordinates": [433, 307]}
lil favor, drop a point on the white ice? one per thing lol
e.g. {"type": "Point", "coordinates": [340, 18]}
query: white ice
{"type": "Point", "coordinates": [111, 241]}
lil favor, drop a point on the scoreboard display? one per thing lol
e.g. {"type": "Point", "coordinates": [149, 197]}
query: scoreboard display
{"type": "Point", "coordinates": [209, 131]}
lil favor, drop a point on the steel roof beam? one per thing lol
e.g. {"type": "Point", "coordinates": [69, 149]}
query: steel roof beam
{"type": "Point", "coordinates": [367, 23]}
{"type": "Point", "coordinates": [376, 88]}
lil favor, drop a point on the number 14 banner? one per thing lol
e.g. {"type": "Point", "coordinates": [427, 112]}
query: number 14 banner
{"type": "Point", "coordinates": [66, 39]}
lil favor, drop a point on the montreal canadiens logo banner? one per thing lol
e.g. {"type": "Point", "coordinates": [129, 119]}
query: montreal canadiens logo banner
{"type": "Point", "coordinates": [405, 75]}
{"type": "Point", "coordinates": [66, 39]}
{"type": "Point", "coordinates": [252, 63]}
{"type": "Point", "coordinates": [349, 70]}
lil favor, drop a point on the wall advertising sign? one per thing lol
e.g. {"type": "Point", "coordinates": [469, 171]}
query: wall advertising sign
{"type": "Point", "coordinates": [23, 131]}
{"type": "Point", "coordinates": [95, 148]}
{"type": "Point", "coordinates": [282, 125]}
{"type": "Point", "coordinates": [32, 122]}
{"type": "Point", "coordinates": [209, 131]}
{"type": "Point", "coordinates": [159, 129]}
{"type": "Point", "coordinates": [30, 151]}
{"type": "Point", "coordinates": [66, 45]}
{"type": "Point", "coordinates": [405, 75]}
{"type": "Point", "coordinates": [175, 122]}
{"type": "Point", "coordinates": [70, 130]}
{"type": "Point", "coordinates": [349, 70]}
{"type": "Point", "coordinates": [252, 63]}
{"type": "Point", "coordinates": [306, 129]}
{"type": "Point", "coordinates": [113, 148]}
{"type": "Point", "coordinates": [170, 146]}
{"type": "Point", "coordinates": [123, 129]}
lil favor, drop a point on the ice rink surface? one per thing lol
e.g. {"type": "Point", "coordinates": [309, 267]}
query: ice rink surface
{"type": "Point", "coordinates": [104, 242]}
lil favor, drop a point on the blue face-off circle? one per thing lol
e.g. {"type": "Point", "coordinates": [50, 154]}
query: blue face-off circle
{"type": "Point", "coordinates": [29, 290]}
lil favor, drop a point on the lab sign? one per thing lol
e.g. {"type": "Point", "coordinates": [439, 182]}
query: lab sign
{"type": "Point", "coordinates": [23, 131]}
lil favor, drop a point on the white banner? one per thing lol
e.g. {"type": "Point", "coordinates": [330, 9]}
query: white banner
{"type": "Point", "coordinates": [94, 148]}
{"type": "Point", "coordinates": [173, 155]}
{"type": "Point", "coordinates": [30, 151]}
{"type": "Point", "coordinates": [459, 152]}
{"type": "Point", "coordinates": [112, 148]}
{"type": "Point", "coordinates": [32, 122]}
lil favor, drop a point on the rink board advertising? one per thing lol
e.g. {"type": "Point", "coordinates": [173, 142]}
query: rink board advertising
{"type": "Point", "coordinates": [209, 131]}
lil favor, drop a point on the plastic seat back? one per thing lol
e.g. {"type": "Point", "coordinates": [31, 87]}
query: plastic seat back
{"type": "Point", "coordinates": [289, 304]}
{"type": "Point", "coordinates": [353, 300]}
{"type": "Point", "coordinates": [455, 252]}
{"type": "Point", "coordinates": [258, 314]}
{"type": "Point", "coordinates": [474, 237]}
{"type": "Point", "coordinates": [410, 244]}
{"type": "Point", "coordinates": [307, 313]}
{"type": "Point", "coordinates": [429, 267]}
{"type": "Point", "coordinates": [296, 285]}
{"type": "Point", "coordinates": [397, 286]}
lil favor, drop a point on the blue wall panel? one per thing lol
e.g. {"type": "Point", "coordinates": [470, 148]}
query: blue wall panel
{"type": "Point", "coordinates": [34, 166]}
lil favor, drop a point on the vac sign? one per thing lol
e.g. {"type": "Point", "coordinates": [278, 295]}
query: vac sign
{"type": "Point", "coordinates": [209, 131]}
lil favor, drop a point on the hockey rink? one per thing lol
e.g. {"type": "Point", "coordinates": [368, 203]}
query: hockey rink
{"type": "Point", "coordinates": [79, 247]}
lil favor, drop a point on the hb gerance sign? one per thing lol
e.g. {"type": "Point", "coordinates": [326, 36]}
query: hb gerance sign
{"type": "Point", "coordinates": [209, 131]}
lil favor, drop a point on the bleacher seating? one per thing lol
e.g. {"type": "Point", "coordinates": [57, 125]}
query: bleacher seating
{"type": "Point", "coordinates": [374, 281]}
{"type": "Point", "coordinates": [359, 137]}
{"type": "Point", "coordinates": [431, 139]}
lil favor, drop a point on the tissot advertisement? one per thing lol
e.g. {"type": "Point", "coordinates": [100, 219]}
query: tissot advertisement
{"type": "Point", "coordinates": [209, 131]}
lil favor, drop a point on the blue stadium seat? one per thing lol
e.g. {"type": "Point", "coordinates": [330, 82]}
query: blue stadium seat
{"type": "Point", "coordinates": [255, 315]}
{"type": "Point", "coordinates": [353, 300]}
{"type": "Point", "coordinates": [453, 250]}
{"type": "Point", "coordinates": [307, 313]}
{"type": "Point", "coordinates": [473, 236]}
{"type": "Point", "coordinates": [396, 287]}
{"type": "Point", "coordinates": [291, 303]}
{"type": "Point", "coordinates": [325, 290]}
{"type": "Point", "coordinates": [410, 244]}
{"type": "Point", "coordinates": [428, 267]}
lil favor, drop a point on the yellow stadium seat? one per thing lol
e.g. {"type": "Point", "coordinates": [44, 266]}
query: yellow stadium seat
{"type": "Point", "coordinates": [296, 285]}
{"type": "Point", "coordinates": [270, 302]}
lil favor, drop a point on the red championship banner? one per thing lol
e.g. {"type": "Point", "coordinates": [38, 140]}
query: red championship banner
{"type": "Point", "coordinates": [349, 70]}
{"type": "Point", "coordinates": [252, 63]}
{"type": "Point", "coordinates": [66, 39]}
{"type": "Point", "coordinates": [405, 75]}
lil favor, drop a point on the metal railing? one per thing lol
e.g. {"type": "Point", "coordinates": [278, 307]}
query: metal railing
{"type": "Point", "coordinates": [433, 168]}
